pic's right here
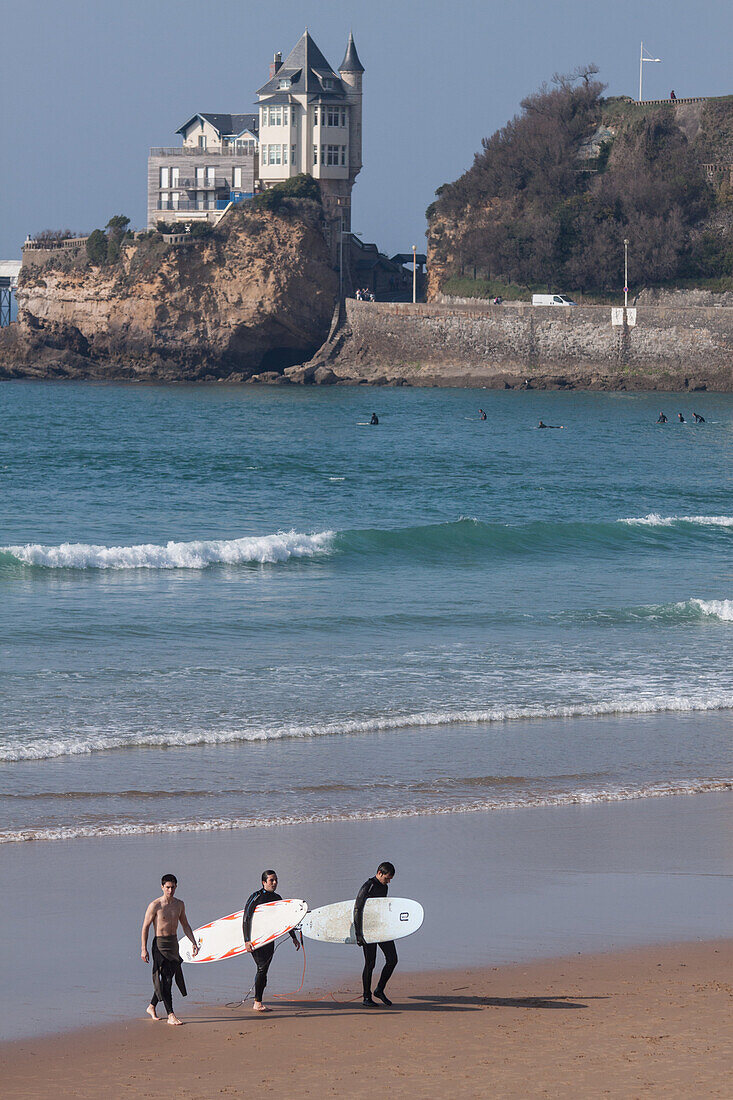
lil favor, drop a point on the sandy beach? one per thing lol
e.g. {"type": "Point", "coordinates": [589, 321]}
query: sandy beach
{"type": "Point", "coordinates": [649, 1022]}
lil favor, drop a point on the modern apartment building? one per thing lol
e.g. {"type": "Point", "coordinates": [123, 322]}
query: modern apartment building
{"type": "Point", "coordinates": [216, 163]}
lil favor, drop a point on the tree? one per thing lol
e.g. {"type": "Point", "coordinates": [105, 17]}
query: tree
{"type": "Point", "coordinates": [97, 246]}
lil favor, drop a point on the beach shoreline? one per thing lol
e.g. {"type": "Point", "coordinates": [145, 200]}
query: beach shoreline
{"type": "Point", "coordinates": [647, 1021]}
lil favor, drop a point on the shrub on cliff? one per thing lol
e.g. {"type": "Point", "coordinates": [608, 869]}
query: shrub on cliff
{"type": "Point", "coordinates": [530, 210]}
{"type": "Point", "coordinates": [301, 186]}
{"type": "Point", "coordinates": [97, 247]}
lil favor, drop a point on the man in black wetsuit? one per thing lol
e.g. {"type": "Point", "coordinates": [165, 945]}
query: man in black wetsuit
{"type": "Point", "coordinates": [699, 419]}
{"type": "Point", "coordinates": [374, 888]}
{"type": "Point", "coordinates": [374, 419]}
{"type": "Point", "coordinates": [262, 955]}
{"type": "Point", "coordinates": [681, 418]}
{"type": "Point", "coordinates": [661, 419]}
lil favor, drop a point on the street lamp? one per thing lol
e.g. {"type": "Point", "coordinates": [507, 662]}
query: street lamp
{"type": "Point", "coordinates": [626, 272]}
{"type": "Point", "coordinates": [414, 274]}
{"type": "Point", "coordinates": [642, 59]}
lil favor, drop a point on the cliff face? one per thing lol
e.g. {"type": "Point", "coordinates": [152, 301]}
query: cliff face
{"type": "Point", "coordinates": [257, 295]}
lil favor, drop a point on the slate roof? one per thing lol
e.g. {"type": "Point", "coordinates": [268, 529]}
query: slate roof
{"type": "Point", "coordinates": [307, 69]}
{"type": "Point", "coordinates": [226, 125]}
{"type": "Point", "coordinates": [351, 62]}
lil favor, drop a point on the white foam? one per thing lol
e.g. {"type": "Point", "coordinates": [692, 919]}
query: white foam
{"type": "Point", "coordinates": [566, 798]}
{"type": "Point", "coordinates": [718, 609]}
{"type": "Point", "coordinates": [263, 549]}
{"type": "Point", "coordinates": [655, 520]}
{"type": "Point", "coordinates": [98, 741]}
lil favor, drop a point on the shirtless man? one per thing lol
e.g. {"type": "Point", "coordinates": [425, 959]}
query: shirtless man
{"type": "Point", "coordinates": [164, 914]}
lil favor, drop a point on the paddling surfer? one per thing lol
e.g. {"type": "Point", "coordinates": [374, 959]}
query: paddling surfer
{"type": "Point", "coordinates": [165, 914]}
{"type": "Point", "coordinates": [261, 955]}
{"type": "Point", "coordinates": [376, 887]}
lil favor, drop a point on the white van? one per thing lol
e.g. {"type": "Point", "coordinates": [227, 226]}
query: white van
{"type": "Point", "coordinates": [551, 300]}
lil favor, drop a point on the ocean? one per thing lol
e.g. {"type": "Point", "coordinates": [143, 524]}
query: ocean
{"type": "Point", "coordinates": [228, 606]}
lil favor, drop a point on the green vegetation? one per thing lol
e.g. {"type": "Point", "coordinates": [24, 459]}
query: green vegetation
{"type": "Point", "coordinates": [104, 247]}
{"type": "Point", "coordinates": [461, 287]}
{"type": "Point", "coordinates": [297, 187]}
{"type": "Point", "coordinates": [535, 210]}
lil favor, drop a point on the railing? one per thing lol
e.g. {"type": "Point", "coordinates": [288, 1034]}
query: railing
{"type": "Point", "coordinates": [672, 102]}
{"type": "Point", "coordinates": [219, 183]}
{"type": "Point", "coordinates": [48, 246]}
{"type": "Point", "coordinates": [187, 205]}
{"type": "Point", "coordinates": [192, 151]}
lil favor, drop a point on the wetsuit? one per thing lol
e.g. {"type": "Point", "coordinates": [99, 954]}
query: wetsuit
{"type": "Point", "coordinates": [699, 419]}
{"type": "Point", "coordinates": [373, 888]}
{"type": "Point", "coordinates": [661, 419]}
{"type": "Point", "coordinates": [261, 955]}
{"type": "Point", "coordinates": [166, 968]}
{"type": "Point", "coordinates": [374, 419]}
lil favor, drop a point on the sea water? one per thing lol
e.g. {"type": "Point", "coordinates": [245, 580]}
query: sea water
{"type": "Point", "coordinates": [227, 606]}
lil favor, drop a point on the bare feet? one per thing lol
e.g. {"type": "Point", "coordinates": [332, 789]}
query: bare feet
{"type": "Point", "coordinates": [174, 1021]}
{"type": "Point", "coordinates": [152, 1013]}
{"type": "Point", "coordinates": [259, 1007]}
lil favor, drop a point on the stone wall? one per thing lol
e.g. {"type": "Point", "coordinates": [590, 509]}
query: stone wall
{"type": "Point", "coordinates": [506, 345]}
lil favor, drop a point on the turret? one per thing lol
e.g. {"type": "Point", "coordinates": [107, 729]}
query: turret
{"type": "Point", "coordinates": [351, 71]}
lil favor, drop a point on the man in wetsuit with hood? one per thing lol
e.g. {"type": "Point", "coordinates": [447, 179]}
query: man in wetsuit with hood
{"type": "Point", "coordinates": [262, 955]}
{"type": "Point", "coordinates": [375, 888]}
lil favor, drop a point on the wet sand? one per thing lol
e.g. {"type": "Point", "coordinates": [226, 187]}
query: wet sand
{"type": "Point", "coordinates": [648, 1022]}
{"type": "Point", "coordinates": [499, 887]}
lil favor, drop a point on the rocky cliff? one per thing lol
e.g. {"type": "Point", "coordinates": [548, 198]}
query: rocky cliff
{"type": "Point", "coordinates": [256, 295]}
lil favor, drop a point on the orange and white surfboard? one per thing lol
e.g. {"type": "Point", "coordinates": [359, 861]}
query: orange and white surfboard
{"type": "Point", "coordinates": [223, 938]}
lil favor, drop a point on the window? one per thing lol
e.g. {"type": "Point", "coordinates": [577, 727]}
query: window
{"type": "Point", "coordinates": [285, 116]}
{"type": "Point", "coordinates": [292, 154]}
{"type": "Point", "coordinates": [343, 117]}
{"type": "Point", "coordinates": [323, 154]}
{"type": "Point", "coordinates": [200, 177]}
{"type": "Point", "coordinates": [237, 179]}
{"type": "Point", "coordinates": [333, 154]}
{"type": "Point", "coordinates": [210, 175]}
{"type": "Point", "coordinates": [165, 177]}
{"type": "Point", "coordinates": [334, 116]}
{"type": "Point", "coordinates": [175, 176]}
{"type": "Point", "coordinates": [174, 199]}
{"type": "Point", "coordinates": [315, 116]}
{"type": "Point", "coordinates": [315, 154]}
{"type": "Point", "coordinates": [202, 141]}
{"type": "Point", "coordinates": [285, 154]}
{"type": "Point", "coordinates": [283, 82]}
{"type": "Point", "coordinates": [343, 154]}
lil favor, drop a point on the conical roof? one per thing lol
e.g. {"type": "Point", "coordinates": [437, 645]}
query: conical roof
{"type": "Point", "coordinates": [351, 62]}
{"type": "Point", "coordinates": [306, 68]}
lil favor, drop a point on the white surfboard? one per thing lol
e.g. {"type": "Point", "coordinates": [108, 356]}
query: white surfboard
{"type": "Point", "coordinates": [384, 919]}
{"type": "Point", "coordinates": [223, 938]}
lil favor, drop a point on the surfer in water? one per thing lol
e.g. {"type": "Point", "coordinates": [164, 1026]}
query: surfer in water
{"type": "Point", "coordinates": [375, 888]}
{"type": "Point", "coordinates": [543, 425]}
{"type": "Point", "coordinates": [481, 414]}
{"type": "Point", "coordinates": [661, 419]}
{"type": "Point", "coordinates": [165, 914]}
{"type": "Point", "coordinates": [261, 955]}
{"type": "Point", "coordinates": [699, 419]}
{"type": "Point", "coordinates": [374, 419]}
{"type": "Point", "coordinates": [681, 418]}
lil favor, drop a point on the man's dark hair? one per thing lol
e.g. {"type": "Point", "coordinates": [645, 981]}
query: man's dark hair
{"type": "Point", "coordinates": [169, 878]}
{"type": "Point", "coordinates": [386, 868]}
{"type": "Point", "coordinates": [266, 874]}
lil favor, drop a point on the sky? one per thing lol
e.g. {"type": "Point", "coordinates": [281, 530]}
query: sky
{"type": "Point", "coordinates": [87, 86]}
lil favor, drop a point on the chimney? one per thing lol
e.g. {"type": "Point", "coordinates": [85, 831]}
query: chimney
{"type": "Point", "coordinates": [277, 63]}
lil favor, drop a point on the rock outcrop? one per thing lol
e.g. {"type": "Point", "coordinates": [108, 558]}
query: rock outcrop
{"type": "Point", "coordinates": [256, 296]}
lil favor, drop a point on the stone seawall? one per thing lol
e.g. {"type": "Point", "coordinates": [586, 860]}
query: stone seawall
{"type": "Point", "coordinates": [505, 345]}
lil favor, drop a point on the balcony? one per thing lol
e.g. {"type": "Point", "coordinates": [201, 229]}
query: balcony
{"type": "Point", "coordinates": [186, 151]}
{"type": "Point", "coordinates": [188, 205]}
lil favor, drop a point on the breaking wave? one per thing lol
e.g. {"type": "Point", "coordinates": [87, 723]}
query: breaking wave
{"type": "Point", "coordinates": [461, 539]}
{"type": "Point", "coordinates": [621, 793]}
{"type": "Point", "coordinates": [97, 741]}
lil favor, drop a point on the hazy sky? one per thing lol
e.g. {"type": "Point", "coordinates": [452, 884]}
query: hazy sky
{"type": "Point", "coordinates": [87, 86]}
